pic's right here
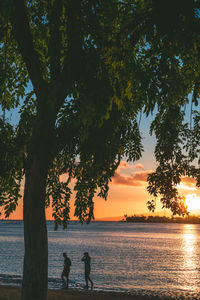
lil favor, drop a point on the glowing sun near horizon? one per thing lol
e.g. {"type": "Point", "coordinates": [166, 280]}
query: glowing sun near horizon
{"type": "Point", "coordinates": [193, 202]}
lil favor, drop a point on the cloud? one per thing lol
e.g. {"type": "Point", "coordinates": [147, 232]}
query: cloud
{"type": "Point", "coordinates": [135, 179]}
{"type": "Point", "coordinates": [123, 164]}
{"type": "Point", "coordinates": [182, 186]}
{"type": "Point", "coordinates": [139, 166]}
{"type": "Point", "coordinates": [141, 176]}
{"type": "Point", "coordinates": [189, 181]}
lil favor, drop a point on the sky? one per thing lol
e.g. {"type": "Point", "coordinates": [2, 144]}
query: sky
{"type": "Point", "coordinates": [127, 193]}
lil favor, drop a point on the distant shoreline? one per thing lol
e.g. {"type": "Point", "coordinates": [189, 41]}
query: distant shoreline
{"type": "Point", "coordinates": [157, 219]}
{"type": "Point", "coordinates": [134, 219]}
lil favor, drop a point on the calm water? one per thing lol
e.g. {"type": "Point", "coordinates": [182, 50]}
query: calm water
{"type": "Point", "coordinates": [138, 258]}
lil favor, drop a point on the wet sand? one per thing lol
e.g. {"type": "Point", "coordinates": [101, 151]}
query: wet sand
{"type": "Point", "coordinates": [13, 293]}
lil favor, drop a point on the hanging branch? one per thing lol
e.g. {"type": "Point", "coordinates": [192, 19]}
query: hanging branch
{"type": "Point", "coordinates": [22, 32]}
{"type": "Point", "coordinates": [194, 98]}
{"type": "Point", "coordinates": [5, 70]}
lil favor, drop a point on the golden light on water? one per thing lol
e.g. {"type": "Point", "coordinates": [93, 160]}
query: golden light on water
{"type": "Point", "coordinates": [193, 202]}
{"type": "Point", "coordinates": [189, 274]}
{"type": "Point", "coordinates": [189, 240]}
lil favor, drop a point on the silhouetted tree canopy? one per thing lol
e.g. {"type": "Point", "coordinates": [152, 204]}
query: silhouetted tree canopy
{"type": "Point", "coordinates": [78, 72]}
{"type": "Point", "coordinates": [66, 50]}
{"type": "Point", "coordinates": [100, 69]}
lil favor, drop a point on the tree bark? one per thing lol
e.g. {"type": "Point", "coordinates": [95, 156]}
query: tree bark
{"type": "Point", "coordinates": [35, 272]}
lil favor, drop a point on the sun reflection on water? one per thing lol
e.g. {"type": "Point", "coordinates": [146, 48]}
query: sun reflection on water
{"type": "Point", "coordinates": [189, 273]}
{"type": "Point", "coordinates": [188, 243]}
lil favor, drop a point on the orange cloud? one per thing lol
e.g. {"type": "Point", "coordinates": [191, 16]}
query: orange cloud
{"type": "Point", "coordinates": [136, 179]}
{"type": "Point", "coordinates": [189, 181]}
{"type": "Point", "coordinates": [123, 164]}
{"type": "Point", "coordinates": [139, 166]}
{"type": "Point", "coordinates": [182, 186]}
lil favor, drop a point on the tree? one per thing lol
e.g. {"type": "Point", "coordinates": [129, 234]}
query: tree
{"type": "Point", "coordinates": [169, 74]}
{"type": "Point", "coordinates": [173, 53]}
{"type": "Point", "coordinates": [93, 66]}
{"type": "Point", "coordinates": [75, 111]}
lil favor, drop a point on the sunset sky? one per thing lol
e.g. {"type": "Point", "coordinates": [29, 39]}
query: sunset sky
{"type": "Point", "coordinates": [128, 194]}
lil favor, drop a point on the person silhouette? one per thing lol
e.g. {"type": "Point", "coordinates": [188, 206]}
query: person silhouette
{"type": "Point", "coordinates": [66, 270]}
{"type": "Point", "coordinates": [87, 259]}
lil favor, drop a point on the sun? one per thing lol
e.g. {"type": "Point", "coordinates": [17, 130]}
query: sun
{"type": "Point", "coordinates": [193, 202]}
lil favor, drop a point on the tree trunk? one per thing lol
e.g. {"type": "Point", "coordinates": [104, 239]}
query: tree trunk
{"type": "Point", "coordinates": [35, 273]}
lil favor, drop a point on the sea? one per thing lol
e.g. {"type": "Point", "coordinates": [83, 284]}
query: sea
{"type": "Point", "coordinates": [135, 258]}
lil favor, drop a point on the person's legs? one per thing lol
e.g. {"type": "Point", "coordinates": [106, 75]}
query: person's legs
{"type": "Point", "coordinates": [86, 279]}
{"type": "Point", "coordinates": [90, 280]}
{"type": "Point", "coordinates": [67, 277]}
{"type": "Point", "coordinates": [62, 277]}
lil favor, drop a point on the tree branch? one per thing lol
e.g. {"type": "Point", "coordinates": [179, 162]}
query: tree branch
{"type": "Point", "coordinates": [65, 137]}
{"type": "Point", "coordinates": [196, 91]}
{"type": "Point", "coordinates": [23, 36]}
{"type": "Point", "coordinates": [55, 44]}
{"type": "Point", "coordinates": [63, 84]}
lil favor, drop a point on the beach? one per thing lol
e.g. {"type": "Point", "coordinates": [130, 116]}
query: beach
{"type": "Point", "coordinates": [13, 293]}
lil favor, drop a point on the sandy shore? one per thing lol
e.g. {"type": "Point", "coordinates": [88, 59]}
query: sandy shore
{"type": "Point", "coordinates": [13, 293]}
